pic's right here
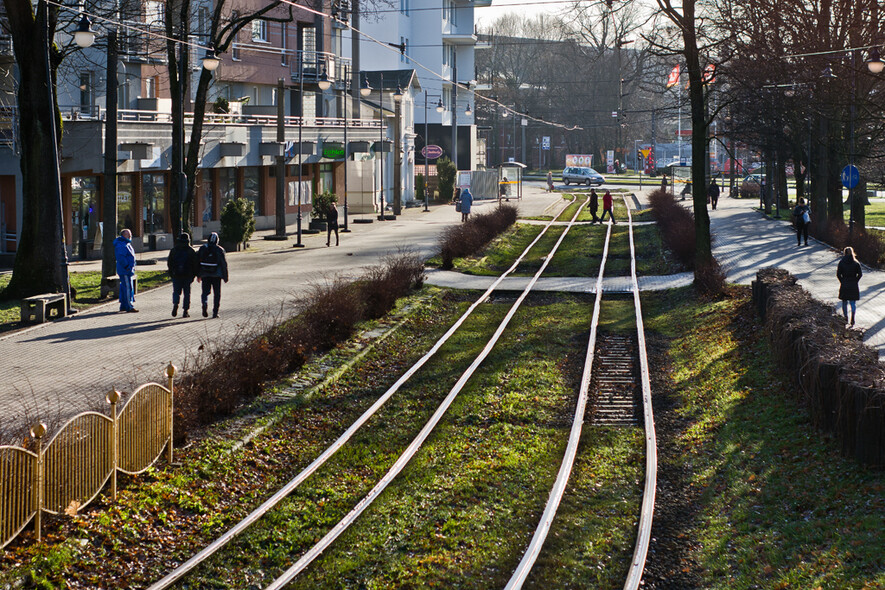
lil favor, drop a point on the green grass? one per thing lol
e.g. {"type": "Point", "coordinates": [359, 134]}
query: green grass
{"type": "Point", "coordinates": [88, 286]}
{"type": "Point", "coordinates": [778, 508]}
{"type": "Point", "coordinates": [578, 255]}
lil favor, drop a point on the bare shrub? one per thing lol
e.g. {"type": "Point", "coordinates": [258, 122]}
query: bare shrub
{"type": "Point", "coordinates": [709, 279]}
{"type": "Point", "coordinates": [868, 245]}
{"type": "Point", "coordinates": [676, 224]}
{"type": "Point", "coordinates": [471, 236]}
{"type": "Point", "coordinates": [224, 375]}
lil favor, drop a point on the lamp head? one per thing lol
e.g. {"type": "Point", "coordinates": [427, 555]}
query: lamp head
{"type": "Point", "coordinates": [439, 106]}
{"type": "Point", "coordinates": [467, 111]}
{"type": "Point", "coordinates": [365, 89]}
{"type": "Point", "coordinates": [84, 36]}
{"type": "Point", "coordinates": [875, 63]}
{"type": "Point", "coordinates": [398, 95]}
{"type": "Point", "coordinates": [210, 60]}
{"type": "Point", "coordinates": [324, 83]}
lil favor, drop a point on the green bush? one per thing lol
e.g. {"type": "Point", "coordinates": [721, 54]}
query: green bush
{"type": "Point", "coordinates": [419, 187]}
{"type": "Point", "coordinates": [321, 204]}
{"type": "Point", "coordinates": [222, 105]}
{"type": "Point", "coordinates": [445, 172]}
{"type": "Point", "coordinates": [237, 221]}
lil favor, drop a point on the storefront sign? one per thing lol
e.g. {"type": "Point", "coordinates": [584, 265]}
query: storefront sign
{"type": "Point", "coordinates": [333, 151]}
{"type": "Point", "coordinates": [431, 152]}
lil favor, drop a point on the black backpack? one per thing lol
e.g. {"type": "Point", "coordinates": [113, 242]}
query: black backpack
{"type": "Point", "coordinates": [209, 258]}
{"type": "Point", "coordinates": [181, 262]}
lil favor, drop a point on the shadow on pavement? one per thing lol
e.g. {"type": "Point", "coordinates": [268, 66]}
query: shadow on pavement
{"type": "Point", "coordinates": [109, 331]}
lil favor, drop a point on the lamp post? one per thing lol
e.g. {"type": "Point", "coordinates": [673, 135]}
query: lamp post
{"type": "Point", "coordinates": [324, 84]}
{"type": "Point", "coordinates": [298, 243]}
{"type": "Point", "coordinates": [439, 108]}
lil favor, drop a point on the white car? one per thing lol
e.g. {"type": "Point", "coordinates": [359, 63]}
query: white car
{"type": "Point", "coordinates": [581, 175]}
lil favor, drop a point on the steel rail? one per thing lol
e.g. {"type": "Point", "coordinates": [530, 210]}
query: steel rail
{"type": "Point", "coordinates": [416, 443]}
{"type": "Point", "coordinates": [637, 566]}
{"type": "Point", "coordinates": [271, 502]}
{"type": "Point", "coordinates": [534, 549]}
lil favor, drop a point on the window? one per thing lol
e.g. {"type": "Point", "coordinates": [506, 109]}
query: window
{"type": "Point", "coordinates": [203, 20]}
{"type": "Point", "coordinates": [448, 12]}
{"type": "Point", "coordinates": [150, 87]}
{"type": "Point", "coordinates": [325, 178]}
{"type": "Point", "coordinates": [404, 7]}
{"type": "Point", "coordinates": [86, 92]}
{"type": "Point", "coordinates": [259, 31]}
{"type": "Point", "coordinates": [447, 98]}
{"type": "Point", "coordinates": [205, 192]}
{"type": "Point", "coordinates": [125, 217]}
{"type": "Point", "coordinates": [448, 55]}
{"type": "Point", "coordinates": [252, 186]}
{"type": "Point", "coordinates": [154, 12]}
{"type": "Point", "coordinates": [227, 185]}
{"type": "Point", "coordinates": [284, 44]}
{"type": "Point", "coordinates": [154, 196]}
{"type": "Point", "coordinates": [235, 47]}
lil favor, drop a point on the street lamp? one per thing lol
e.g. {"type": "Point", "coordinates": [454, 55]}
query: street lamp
{"type": "Point", "coordinates": [875, 63]}
{"type": "Point", "coordinates": [439, 108]}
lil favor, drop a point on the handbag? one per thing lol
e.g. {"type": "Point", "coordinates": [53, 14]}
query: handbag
{"type": "Point", "coordinates": [458, 206]}
{"type": "Point", "coordinates": [806, 217]}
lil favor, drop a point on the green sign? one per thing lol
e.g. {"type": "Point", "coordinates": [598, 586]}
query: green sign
{"type": "Point", "coordinates": [334, 151]}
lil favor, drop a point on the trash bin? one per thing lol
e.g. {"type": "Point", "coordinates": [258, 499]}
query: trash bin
{"type": "Point", "coordinates": [84, 249]}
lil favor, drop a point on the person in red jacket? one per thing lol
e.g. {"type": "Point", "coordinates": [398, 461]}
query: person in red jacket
{"type": "Point", "coordinates": [607, 207]}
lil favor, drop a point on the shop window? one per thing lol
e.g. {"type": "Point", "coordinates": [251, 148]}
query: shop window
{"type": "Point", "coordinates": [325, 179]}
{"type": "Point", "coordinates": [153, 189]}
{"type": "Point", "coordinates": [205, 192]}
{"type": "Point", "coordinates": [252, 186]}
{"type": "Point", "coordinates": [84, 208]}
{"type": "Point", "coordinates": [227, 185]}
{"type": "Point", "coordinates": [125, 206]}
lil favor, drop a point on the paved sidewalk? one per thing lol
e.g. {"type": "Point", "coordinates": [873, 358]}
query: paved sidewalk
{"type": "Point", "coordinates": [54, 370]}
{"type": "Point", "coordinates": [744, 241]}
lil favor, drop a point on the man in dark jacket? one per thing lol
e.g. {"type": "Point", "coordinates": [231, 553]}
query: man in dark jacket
{"type": "Point", "coordinates": [183, 265]}
{"type": "Point", "coordinates": [213, 269]}
{"type": "Point", "coordinates": [713, 193]}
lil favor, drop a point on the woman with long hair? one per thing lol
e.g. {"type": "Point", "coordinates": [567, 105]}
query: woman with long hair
{"type": "Point", "coordinates": [849, 273]}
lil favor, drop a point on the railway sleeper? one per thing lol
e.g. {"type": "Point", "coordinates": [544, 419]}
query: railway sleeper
{"type": "Point", "coordinates": [615, 381]}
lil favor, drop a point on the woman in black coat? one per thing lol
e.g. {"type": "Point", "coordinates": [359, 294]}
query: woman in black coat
{"type": "Point", "coordinates": [849, 273]}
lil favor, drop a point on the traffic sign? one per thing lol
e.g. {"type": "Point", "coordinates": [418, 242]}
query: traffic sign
{"type": "Point", "coordinates": [545, 142]}
{"type": "Point", "coordinates": [850, 176]}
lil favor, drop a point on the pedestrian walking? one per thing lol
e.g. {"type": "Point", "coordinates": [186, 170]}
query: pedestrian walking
{"type": "Point", "coordinates": [664, 183]}
{"type": "Point", "coordinates": [125, 255]}
{"type": "Point", "coordinates": [686, 190]}
{"type": "Point", "coordinates": [332, 222]}
{"type": "Point", "coordinates": [594, 205]}
{"type": "Point", "coordinates": [849, 274]}
{"type": "Point", "coordinates": [183, 266]}
{"type": "Point", "coordinates": [549, 181]}
{"type": "Point", "coordinates": [713, 193]}
{"type": "Point", "coordinates": [466, 204]}
{"type": "Point", "coordinates": [607, 208]}
{"type": "Point", "coordinates": [801, 221]}
{"type": "Point", "coordinates": [213, 270]}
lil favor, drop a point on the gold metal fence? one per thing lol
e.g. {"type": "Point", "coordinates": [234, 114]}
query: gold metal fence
{"type": "Point", "coordinates": [69, 471]}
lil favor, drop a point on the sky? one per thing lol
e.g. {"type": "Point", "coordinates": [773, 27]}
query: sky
{"type": "Point", "coordinates": [530, 8]}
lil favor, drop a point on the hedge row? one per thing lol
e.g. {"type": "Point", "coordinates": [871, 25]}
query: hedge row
{"type": "Point", "coordinates": [840, 379]}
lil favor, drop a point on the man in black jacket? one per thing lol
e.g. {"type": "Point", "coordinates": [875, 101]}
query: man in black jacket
{"type": "Point", "coordinates": [213, 269]}
{"type": "Point", "coordinates": [183, 265]}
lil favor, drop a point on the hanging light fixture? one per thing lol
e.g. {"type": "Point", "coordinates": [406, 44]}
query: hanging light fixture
{"type": "Point", "coordinates": [210, 60]}
{"type": "Point", "coordinates": [84, 35]}
{"type": "Point", "coordinates": [467, 111]}
{"type": "Point", "coordinates": [398, 95]}
{"type": "Point", "coordinates": [439, 106]}
{"type": "Point", "coordinates": [365, 89]}
{"type": "Point", "coordinates": [324, 83]}
{"type": "Point", "coordinates": [875, 63]}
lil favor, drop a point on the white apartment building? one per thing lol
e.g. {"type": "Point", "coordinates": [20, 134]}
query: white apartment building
{"type": "Point", "coordinates": [436, 38]}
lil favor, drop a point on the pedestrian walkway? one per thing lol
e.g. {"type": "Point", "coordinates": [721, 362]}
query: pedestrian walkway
{"type": "Point", "coordinates": [54, 370]}
{"type": "Point", "coordinates": [744, 241]}
{"type": "Point", "coordinates": [457, 280]}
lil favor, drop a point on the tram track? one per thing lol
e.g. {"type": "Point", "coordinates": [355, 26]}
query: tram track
{"type": "Point", "coordinates": [308, 557]}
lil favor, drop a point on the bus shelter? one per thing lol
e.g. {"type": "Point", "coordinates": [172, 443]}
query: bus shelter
{"type": "Point", "coordinates": [510, 182]}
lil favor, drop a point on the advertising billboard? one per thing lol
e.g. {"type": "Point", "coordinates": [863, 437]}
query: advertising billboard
{"type": "Point", "coordinates": [583, 160]}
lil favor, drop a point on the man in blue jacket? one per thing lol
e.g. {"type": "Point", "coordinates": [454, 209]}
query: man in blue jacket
{"type": "Point", "coordinates": [125, 256]}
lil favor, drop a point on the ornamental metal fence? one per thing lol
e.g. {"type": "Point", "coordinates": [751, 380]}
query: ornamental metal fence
{"type": "Point", "coordinates": [67, 473]}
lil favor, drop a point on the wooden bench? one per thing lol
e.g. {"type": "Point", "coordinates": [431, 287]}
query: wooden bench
{"type": "Point", "coordinates": [37, 309]}
{"type": "Point", "coordinates": [112, 285]}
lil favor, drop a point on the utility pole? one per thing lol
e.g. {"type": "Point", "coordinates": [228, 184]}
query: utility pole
{"type": "Point", "coordinates": [455, 112]}
{"type": "Point", "coordinates": [109, 196]}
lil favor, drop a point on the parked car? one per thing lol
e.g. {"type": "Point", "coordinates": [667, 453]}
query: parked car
{"type": "Point", "coordinates": [581, 175]}
{"type": "Point", "coordinates": [750, 185]}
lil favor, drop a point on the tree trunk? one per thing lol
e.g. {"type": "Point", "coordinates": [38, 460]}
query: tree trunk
{"type": "Point", "coordinates": [40, 261]}
{"type": "Point", "coordinates": [703, 245]}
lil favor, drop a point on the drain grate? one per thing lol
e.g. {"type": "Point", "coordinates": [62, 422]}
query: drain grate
{"type": "Point", "coordinates": [615, 381]}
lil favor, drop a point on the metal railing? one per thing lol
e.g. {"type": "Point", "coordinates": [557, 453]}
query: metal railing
{"type": "Point", "coordinates": [69, 471]}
